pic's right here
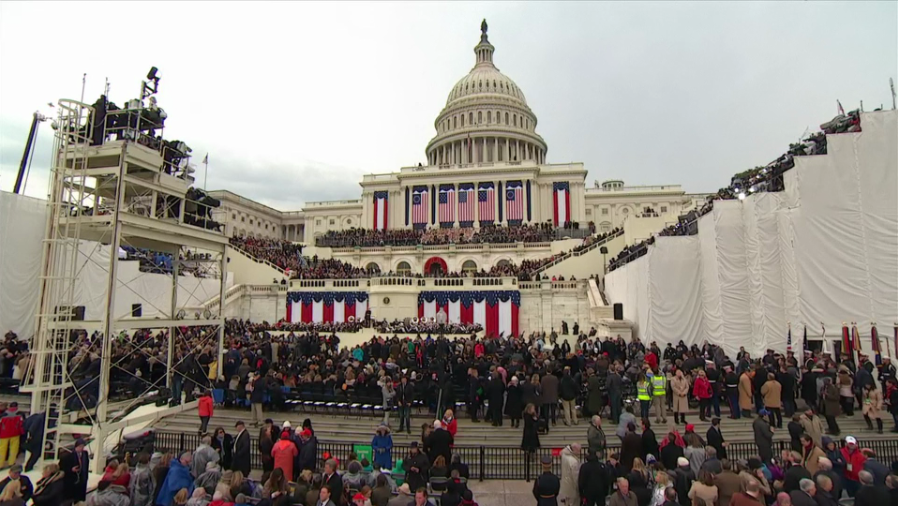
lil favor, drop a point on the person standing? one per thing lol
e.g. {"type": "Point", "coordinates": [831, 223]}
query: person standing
{"type": "Point", "coordinates": [382, 446]}
{"type": "Point", "coordinates": [854, 464]}
{"type": "Point", "coordinates": [530, 439]}
{"type": "Point", "coordinates": [872, 406]}
{"type": "Point", "coordinates": [513, 403]}
{"type": "Point", "coordinates": [745, 393]}
{"type": "Point", "coordinates": [205, 407]}
{"type": "Point", "coordinates": [624, 496]}
{"type": "Point", "coordinates": [716, 439]}
{"type": "Point", "coordinates": [659, 395]}
{"type": "Point", "coordinates": [593, 481]}
{"type": "Point", "coordinates": [546, 486]}
{"type": "Point", "coordinates": [241, 451]}
{"type": "Point", "coordinates": [701, 389]}
{"type": "Point", "coordinates": [596, 437]}
{"type": "Point", "coordinates": [283, 453]}
{"type": "Point", "coordinates": [569, 491]}
{"type": "Point", "coordinates": [831, 408]}
{"type": "Point", "coordinates": [772, 392]}
{"type": "Point", "coordinates": [549, 397]}
{"type": "Point", "coordinates": [680, 387]}
{"type": "Point", "coordinates": [496, 389]}
{"type": "Point", "coordinates": [266, 443]}
{"type": "Point", "coordinates": [615, 386]}
{"type": "Point", "coordinates": [12, 427]}
{"type": "Point", "coordinates": [257, 397]}
{"type": "Point", "coordinates": [405, 395]}
{"type": "Point", "coordinates": [644, 395]}
{"type": "Point", "coordinates": [568, 397]}
{"type": "Point", "coordinates": [763, 436]}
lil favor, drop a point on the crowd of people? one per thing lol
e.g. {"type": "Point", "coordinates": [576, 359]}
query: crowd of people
{"type": "Point", "coordinates": [162, 263]}
{"type": "Point", "coordinates": [492, 234]}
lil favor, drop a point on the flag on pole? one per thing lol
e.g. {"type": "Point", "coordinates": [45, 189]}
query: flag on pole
{"type": "Point", "coordinates": [789, 338]}
{"type": "Point", "coordinates": [804, 339]}
{"type": "Point", "coordinates": [206, 158]}
{"type": "Point", "coordinates": [855, 338]}
{"type": "Point", "coordinates": [841, 110]}
{"type": "Point", "coordinates": [846, 339]}
{"type": "Point", "coordinates": [877, 347]}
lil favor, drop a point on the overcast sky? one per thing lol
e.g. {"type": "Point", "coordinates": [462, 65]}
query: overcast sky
{"type": "Point", "coordinates": [295, 102]}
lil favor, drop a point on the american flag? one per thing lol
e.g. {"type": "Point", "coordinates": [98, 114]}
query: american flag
{"type": "Point", "coordinates": [487, 199]}
{"type": "Point", "coordinates": [466, 203]}
{"type": "Point", "coordinates": [447, 210]}
{"type": "Point", "coordinates": [514, 195]}
{"type": "Point", "coordinates": [419, 206]}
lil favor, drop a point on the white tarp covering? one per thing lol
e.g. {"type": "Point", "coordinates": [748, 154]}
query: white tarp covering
{"type": "Point", "coordinates": [825, 250]}
{"type": "Point", "coordinates": [22, 223]}
{"type": "Point", "coordinates": [22, 226]}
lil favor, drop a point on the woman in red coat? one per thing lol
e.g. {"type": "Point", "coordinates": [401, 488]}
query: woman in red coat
{"type": "Point", "coordinates": [450, 423]}
{"type": "Point", "coordinates": [701, 389]}
{"type": "Point", "coordinates": [205, 408]}
{"type": "Point", "coordinates": [283, 453]}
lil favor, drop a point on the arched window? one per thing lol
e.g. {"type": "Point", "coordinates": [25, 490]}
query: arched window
{"type": "Point", "coordinates": [489, 116]}
{"type": "Point", "coordinates": [515, 119]}
{"type": "Point", "coordinates": [503, 263]}
{"type": "Point", "coordinates": [455, 122]}
{"type": "Point", "coordinates": [470, 118]}
{"type": "Point", "coordinates": [372, 267]}
{"type": "Point", "coordinates": [506, 118]}
{"type": "Point", "coordinates": [463, 120]}
{"type": "Point", "coordinates": [403, 268]}
{"type": "Point", "coordinates": [605, 226]}
{"type": "Point", "coordinates": [469, 266]}
{"type": "Point", "coordinates": [479, 117]}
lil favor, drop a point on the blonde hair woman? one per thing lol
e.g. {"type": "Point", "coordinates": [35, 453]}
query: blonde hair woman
{"type": "Point", "coordinates": [662, 481]}
{"type": "Point", "coordinates": [530, 440]}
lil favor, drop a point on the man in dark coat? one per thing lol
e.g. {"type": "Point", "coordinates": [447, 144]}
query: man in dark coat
{"type": "Point", "coordinates": [25, 486]}
{"type": "Point", "coordinates": [332, 479]}
{"type": "Point", "coordinates": [241, 452]}
{"type": "Point", "coordinates": [76, 466]}
{"type": "Point", "coordinates": [549, 397]}
{"type": "Point", "coordinates": [308, 450]}
{"type": "Point", "coordinates": [630, 448]}
{"type": "Point", "coordinates": [614, 385]}
{"type": "Point", "coordinates": [440, 442]}
{"type": "Point", "coordinates": [593, 481]}
{"type": "Point", "coordinates": [763, 436]}
{"type": "Point", "coordinates": [546, 486]}
{"type": "Point", "coordinates": [716, 440]}
{"type": "Point", "coordinates": [415, 466]}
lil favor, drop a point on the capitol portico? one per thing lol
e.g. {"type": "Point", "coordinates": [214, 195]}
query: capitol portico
{"type": "Point", "coordinates": [485, 165]}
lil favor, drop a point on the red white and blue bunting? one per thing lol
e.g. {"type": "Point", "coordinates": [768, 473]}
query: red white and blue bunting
{"type": "Point", "coordinates": [497, 311]}
{"type": "Point", "coordinates": [318, 307]}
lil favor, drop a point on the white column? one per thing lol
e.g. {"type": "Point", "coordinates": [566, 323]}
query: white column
{"type": "Point", "coordinates": [495, 149]}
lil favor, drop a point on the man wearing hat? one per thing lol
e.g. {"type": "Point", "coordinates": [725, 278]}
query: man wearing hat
{"type": "Point", "coordinates": [416, 466]}
{"type": "Point", "coordinates": [241, 451]}
{"type": "Point", "coordinates": [763, 436]}
{"type": "Point", "coordinates": [76, 466]}
{"type": "Point", "coordinates": [546, 486]}
{"type": "Point", "coordinates": [15, 473]}
{"type": "Point", "coordinates": [308, 450]}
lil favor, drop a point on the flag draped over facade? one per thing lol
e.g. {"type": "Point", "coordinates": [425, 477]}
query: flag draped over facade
{"type": "Point", "coordinates": [496, 311]}
{"type": "Point", "coordinates": [562, 202]}
{"type": "Point", "coordinates": [514, 198]}
{"type": "Point", "coordinates": [486, 200]}
{"type": "Point", "coordinates": [466, 199]}
{"type": "Point", "coordinates": [447, 205]}
{"type": "Point", "coordinates": [320, 307]}
{"type": "Point", "coordinates": [419, 206]}
{"type": "Point", "coordinates": [380, 210]}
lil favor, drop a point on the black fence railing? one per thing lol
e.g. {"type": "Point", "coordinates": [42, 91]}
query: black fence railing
{"type": "Point", "coordinates": [493, 462]}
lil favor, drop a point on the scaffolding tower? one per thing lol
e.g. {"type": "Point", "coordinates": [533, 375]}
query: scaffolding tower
{"type": "Point", "coordinates": [112, 190]}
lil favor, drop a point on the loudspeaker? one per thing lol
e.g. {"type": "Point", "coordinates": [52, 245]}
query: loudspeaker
{"type": "Point", "coordinates": [136, 310]}
{"type": "Point", "coordinates": [618, 311]}
{"type": "Point", "coordinates": [76, 312]}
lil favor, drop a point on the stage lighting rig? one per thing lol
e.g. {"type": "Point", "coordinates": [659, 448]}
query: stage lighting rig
{"type": "Point", "coordinates": [151, 86]}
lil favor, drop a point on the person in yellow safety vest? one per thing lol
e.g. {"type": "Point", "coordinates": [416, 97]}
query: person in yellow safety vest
{"type": "Point", "coordinates": [659, 395]}
{"type": "Point", "coordinates": [644, 394]}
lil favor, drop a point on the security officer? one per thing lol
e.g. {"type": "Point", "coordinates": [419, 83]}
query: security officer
{"type": "Point", "coordinates": [546, 486]}
{"type": "Point", "coordinates": [659, 394]}
{"type": "Point", "coordinates": [644, 395]}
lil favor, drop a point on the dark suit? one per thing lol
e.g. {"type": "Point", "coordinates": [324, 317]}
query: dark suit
{"type": "Point", "coordinates": [715, 440]}
{"type": "Point", "coordinates": [335, 482]}
{"type": "Point", "coordinates": [75, 482]}
{"type": "Point", "coordinates": [241, 453]}
{"type": "Point", "coordinates": [800, 498]}
{"type": "Point", "coordinates": [440, 442]}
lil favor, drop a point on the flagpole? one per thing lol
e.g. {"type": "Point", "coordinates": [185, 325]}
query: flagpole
{"type": "Point", "coordinates": [205, 170]}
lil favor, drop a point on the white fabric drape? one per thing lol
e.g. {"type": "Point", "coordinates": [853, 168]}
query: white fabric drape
{"type": "Point", "coordinates": [505, 317]}
{"type": "Point", "coordinates": [22, 223]}
{"type": "Point", "coordinates": [480, 313]}
{"type": "Point", "coordinates": [455, 311]}
{"type": "Point", "coordinates": [339, 311]}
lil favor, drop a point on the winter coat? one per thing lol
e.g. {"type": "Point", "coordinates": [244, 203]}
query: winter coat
{"type": "Point", "coordinates": [855, 461]}
{"type": "Point", "coordinates": [108, 497]}
{"type": "Point", "coordinates": [669, 455]}
{"type": "Point", "coordinates": [50, 491]}
{"type": "Point", "coordinates": [716, 440]}
{"type": "Point", "coordinates": [178, 477]}
{"type": "Point", "coordinates": [440, 443]}
{"type": "Point", "coordinates": [225, 450]}
{"type": "Point", "coordinates": [831, 399]}
{"type": "Point", "coordinates": [205, 406]}
{"type": "Point", "coordinates": [745, 392]}
{"type": "Point", "coordinates": [872, 404]}
{"type": "Point", "coordinates": [530, 439]}
{"type": "Point", "coordinates": [701, 388]}
{"type": "Point", "coordinates": [570, 473]}
{"type": "Point", "coordinates": [630, 448]}
{"type": "Point", "coordinates": [649, 444]}
{"type": "Point", "coordinates": [593, 479]}
{"type": "Point", "coordinates": [696, 456]}
{"type": "Point", "coordinates": [809, 458]}
{"type": "Point", "coordinates": [513, 402]}
{"type": "Point", "coordinates": [208, 480]}
{"type": "Point", "coordinates": [308, 454]}
{"type": "Point", "coordinates": [530, 394]}
{"type": "Point", "coordinates": [142, 486]}
{"type": "Point", "coordinates": [202, 456]}
{"type": "Point", "coordinates": [597, 442]}
{"type": "Point", "coordinates": [772, 392]}
{"type": "Point", "coordinates": [283, 453]}
{"type": "Point", "coordinates": [813, 427]}
{"type": "Point", "coordinates": [593, 395]}
{"type": "Point", "coordinates": [680, 388]}
{"type": "Point", "coordinates": [763, 439]}
{"type": "Point", "coordinates": [241, 453]}
{"type": "Point", "coordinates": [382, 446]}
{"type": "Point", "coordinates": [549, 387]}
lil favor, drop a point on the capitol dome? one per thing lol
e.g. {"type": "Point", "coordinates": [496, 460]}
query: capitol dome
{"type": "Point", "coordinates": [486, 118]}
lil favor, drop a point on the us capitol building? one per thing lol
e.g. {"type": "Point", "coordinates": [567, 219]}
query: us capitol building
{"type": "Point", "coordinates": [486, 165]}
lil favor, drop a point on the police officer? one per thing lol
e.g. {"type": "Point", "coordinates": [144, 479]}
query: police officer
{"type": "Point", "coordinates": [886, 372]}
{"type": "Point", "coordinates": [546, 486]}
{"type": "Point", "coordinates": [659, 394]}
